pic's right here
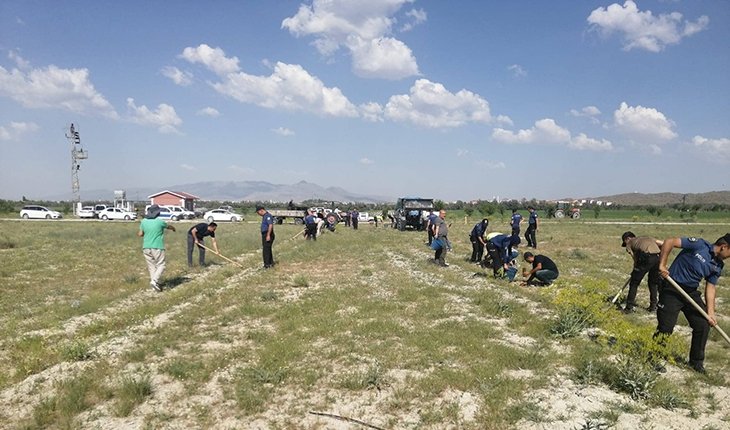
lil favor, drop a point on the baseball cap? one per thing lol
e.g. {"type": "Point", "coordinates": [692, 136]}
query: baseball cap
{"type": "Point", "coordinates": [527, 255]}
{"type": "Point", "coordinates": [625, 236]}
{"type": "Point", "coordinates": [259, 208]}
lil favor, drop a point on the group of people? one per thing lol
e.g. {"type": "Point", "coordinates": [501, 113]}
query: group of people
{"type": "Point", "coordinates": [698, 260]}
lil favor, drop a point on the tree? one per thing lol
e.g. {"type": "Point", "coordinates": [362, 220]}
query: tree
{"type": "Point", "coordinates": [596, 211]}
{"type": "Point", "coordinates": [66, 207]}
{"type": "Point", "coordinates": [550, 210]}
{"type": "Point", "coordinates": [500, 209]}
{"type": "Point", "coordinates": [651, 210]}
{"type": "Point", "coordinates": [468, 211]}
{"type": "Point", "coordinates": [6, 206]}
{"type": "Point", "coordinates": [659, 211]}
{"type": "Point", "coordinates": [486, 208]}
{"type": "Point", "coordinates": [438, 205]}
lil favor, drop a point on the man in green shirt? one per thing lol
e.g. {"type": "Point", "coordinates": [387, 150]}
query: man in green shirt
{"type": "Point", "coordinates": [151, 229]}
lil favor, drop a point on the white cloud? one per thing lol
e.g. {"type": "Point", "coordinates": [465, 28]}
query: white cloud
{"type": "Point", "coordinates": [19, 21]}
{"type": "Point", "coordinates": [417, 16]}
{"type": "Point", "coordinates": [645, 127]}
{"type": "Point", "coordinates": [290, 88]}
{"type": "Point", "coordinates": [362, 27]}
{"type": "Point", "coordinates": [17, 129]}
{"type": "Point", "coordinates": [22, 64]}
{"type": "Point", "coordinates": [517, 70]}
{"type": "Point", "coordinates": [546, 131]}
{"type": "Point", "coordinates": [213, 59]}
{"type": "Point", "coordinates": [209, 111]}
{"type": "Point", "coordinates": [366, 161]}
{"type": "Point", "coordinates": [164, 118]}
{"type": "Point", "coordinates": [52, 87]}
{"type": "Point", "coordinates": [717, 150]}
{"type": "Point", "coordinates": [589, 112]}
{"type": "Point", "coordinates": [383, 57]}
{"type": "Point", "coordinates": [283, 131]}
{"type": "Point", "coordinates": [460, 152]}
{"type": "Point", "coordinates": [642, 30]}
{"type": "Point", "coordinates": [584, 142]}
{"type": "Point", "coordinates": [188, 167]}
{"type": "Point", "coordinates": [489, 165]}
{"type": "Point", "coordinates": [178, 76]}
{"type": "Point", "coordinates": [242, 170]}
{"type": "Point", "coordinates": [371, 112]}
{"type": "Point", "coordinates": [429, 104]}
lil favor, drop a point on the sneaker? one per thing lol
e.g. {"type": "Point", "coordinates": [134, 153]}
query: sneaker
{"type": "Point", "coordinates": [155, 286]}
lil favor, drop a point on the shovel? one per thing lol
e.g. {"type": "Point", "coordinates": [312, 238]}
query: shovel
{"type": "Point", "coordinates": [698, 307]}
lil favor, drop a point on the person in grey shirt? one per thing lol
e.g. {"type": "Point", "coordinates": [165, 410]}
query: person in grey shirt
{"type": "Point", "coordinates": [441, 231]}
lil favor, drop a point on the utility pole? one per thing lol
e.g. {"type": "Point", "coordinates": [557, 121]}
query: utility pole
{"type": "Point", "coordinates": [77, 155]}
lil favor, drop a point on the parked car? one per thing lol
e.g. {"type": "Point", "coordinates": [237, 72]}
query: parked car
{"type": "Point", "coordinates": [117, 213]}
{"type": "Point", "coordinates": [222, 215]}
{"type": "Point", "coordinates": [99, 208]}
{"type": "Point", "coordinates": [40, 212]}
{"type": "Point", "coordinates": [179, 212]}
{"type": "Point", "coordinates": [87, 212]}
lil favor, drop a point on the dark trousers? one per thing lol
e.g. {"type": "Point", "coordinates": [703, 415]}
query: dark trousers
{"type": "Point", "coordinates": [311, 232]}
{"type": "Point", "coordinates": [477, 250]}
{"type": "Point", "coordinates": [644, 263]}
{"type": "Point", "coordinates": [440, 255]}
{"type": "Point", "coordinates": [496, 256]}
{"type": "Point", "coordinates": [268, 255]}
{"type": "Point", "coordinates": [515, 230]}
{"type": "Point", "coordinates": [201, 251]}
{"type": "Point", "coordinates": [354, 223]}
{"type": "Point", "coordinates": [430, 235]}
{"type": "Point", "coordinates": [670, 303]}
{"type": "Point", "coordinates": [347, 221]}
{"type": "Point", "coordinates": [530, 236]}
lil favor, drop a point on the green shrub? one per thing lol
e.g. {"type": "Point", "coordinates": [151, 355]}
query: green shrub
{"type": "Point", "coordinates": [131, 392]}
{"type": "Point", "coordinates": [300, 281]}
{"type": "Point", "coordinates": [76, 351]}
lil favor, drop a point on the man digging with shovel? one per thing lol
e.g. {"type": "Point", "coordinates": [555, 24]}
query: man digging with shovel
{"type": "Point", "coordinates": [698, 260]}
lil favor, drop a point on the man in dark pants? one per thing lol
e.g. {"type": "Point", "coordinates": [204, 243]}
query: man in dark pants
{"type": "Point", "coordinates": [645, 252]}
{"type": "Point", "coordinates": [543, 269]}
{"type": "Point", "coordinates": [355, 218]}
{"type": "Point", "coordinates": [195, 237]}
{"type": "Point", "coordinates": [267, 236]}
{"type": "Point", "coordinates": [515, 222]}
{"type": "Point", "coordinates": [477, 240]}
{"type": "Point", "coordinates": [500, 250]}
{"type": "Point", "coordinates": [533, 226]}
{"type": "Point", "coordinates": [441, 232]}
{"type": "Point", "coordinates": [698, 260]}
{"type": "Point", "coordinates": [429, 226]}
{"type": "Point", "coordinates": [310, 222]}
{"type": "Point", "coordinates": [348, 217]}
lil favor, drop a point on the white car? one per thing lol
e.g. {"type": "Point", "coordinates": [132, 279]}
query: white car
{"type": "Point", "coordinates": [40, 212]}
{"type": "Point", "coordinates": [179, 212]}
{"type": "Point", "coordinates": [222, 215]}
{"type": "Point", "coordinates": [86, 212]}
{"type": "Point", "coordinates": [117, 213]}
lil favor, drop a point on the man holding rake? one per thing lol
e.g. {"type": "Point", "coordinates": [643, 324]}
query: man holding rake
{"type": "Point", "coordinates": [698, 260]}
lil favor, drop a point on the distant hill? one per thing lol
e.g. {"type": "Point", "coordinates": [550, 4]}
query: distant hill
{"type": "Point", "coordinates": [660, 199]}
{"type": "Point", "coordinates": [244, 190]}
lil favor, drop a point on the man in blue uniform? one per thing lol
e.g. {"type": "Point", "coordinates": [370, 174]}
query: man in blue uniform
{"type": "Point", "coordinates": [515, 222]}
{"type": "Point", "coordinates": [477, 240]}
{"type": "Point", "coordinates": [196, 234]}
{"type": "Point", "coordinates": [698, 260]}
{"type": "Point", "coordinates": [267, 236]}
{"type": "Point", "coordinates": [310, 222]}
{"type": "Point", "coordinates": [500, 251]}
{"type": "Point", "coordinates": [533, 226]}
{"type": "Point", "coordinates": [430, 225]}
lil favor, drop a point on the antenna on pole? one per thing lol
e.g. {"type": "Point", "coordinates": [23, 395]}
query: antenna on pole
{"type": "Point", "coordinates": [77, 155]}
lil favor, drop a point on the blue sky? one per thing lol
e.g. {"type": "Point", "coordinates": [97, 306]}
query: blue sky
{"type": "Point", "coordinates": [452, 100]}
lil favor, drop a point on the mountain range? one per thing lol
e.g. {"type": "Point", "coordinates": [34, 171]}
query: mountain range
{"type": "Point", "coordinates": [237, 191]}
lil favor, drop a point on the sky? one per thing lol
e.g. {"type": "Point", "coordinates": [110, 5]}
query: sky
{"type": "Point", "coordinates": [465, 99]}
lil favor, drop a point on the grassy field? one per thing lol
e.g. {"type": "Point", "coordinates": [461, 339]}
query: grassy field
{"type": "Point", "coordinates": [358, 324]}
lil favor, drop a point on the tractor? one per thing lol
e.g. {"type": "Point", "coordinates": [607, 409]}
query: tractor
{"type": "Point", "coordinates": [564, 208]}
{"type": "Point", "coordinates": [411, 212]}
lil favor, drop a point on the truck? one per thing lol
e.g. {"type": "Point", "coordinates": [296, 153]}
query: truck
{"type": "Point", "coordinates": [411, 212]}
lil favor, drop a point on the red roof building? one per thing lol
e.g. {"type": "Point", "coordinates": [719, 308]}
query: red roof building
{"type": "Point", "coordinates": [175, 198]}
